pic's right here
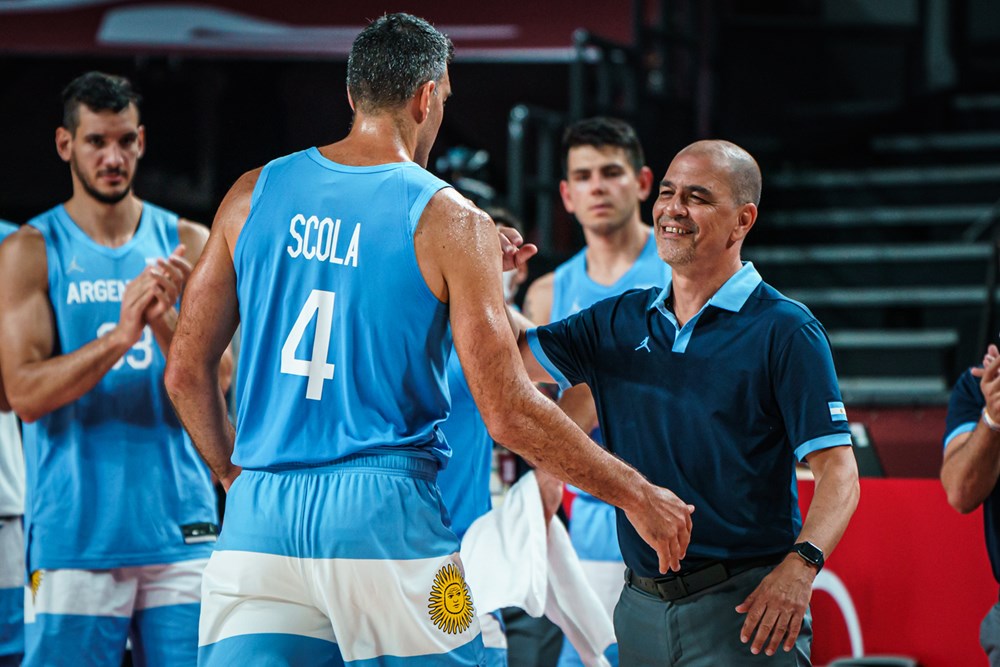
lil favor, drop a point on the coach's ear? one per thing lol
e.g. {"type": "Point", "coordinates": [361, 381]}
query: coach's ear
{"type": "Point", "coordinates": [745, 220]}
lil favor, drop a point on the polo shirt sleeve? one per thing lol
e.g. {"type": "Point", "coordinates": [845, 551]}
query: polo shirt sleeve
{"type": "Point", "coordinates": [566, 348]}
{"type": "Point", "coordinates": [964, 407]}
{"type": "Point", "coordinates": [807, 392]}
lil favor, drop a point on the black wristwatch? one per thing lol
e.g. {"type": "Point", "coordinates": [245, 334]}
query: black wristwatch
{"type": "Point", "coordinates": [810, 553]}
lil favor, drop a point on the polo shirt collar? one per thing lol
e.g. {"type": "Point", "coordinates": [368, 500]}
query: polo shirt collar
{"type": "Point", "coordinates": [731, 296]}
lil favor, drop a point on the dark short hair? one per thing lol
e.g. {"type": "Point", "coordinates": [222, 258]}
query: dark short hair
{"type": "Point", "coordinates": [100, 92]}
{"type": "Point", "coordinates": [392, 57]}
{"type": "Point", "coordinates": [599, 132]}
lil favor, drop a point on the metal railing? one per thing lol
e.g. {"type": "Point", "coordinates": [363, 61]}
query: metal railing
{"type": "Point", "coordinates": [604, 78]}
{"type": "Point", "coordinates": [534, 130]}
{"type": "Point", "coordinates": [988, 329]}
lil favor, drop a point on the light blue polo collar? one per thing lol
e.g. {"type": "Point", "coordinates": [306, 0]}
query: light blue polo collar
{"type": "Point", "coordinates": [731, 296]}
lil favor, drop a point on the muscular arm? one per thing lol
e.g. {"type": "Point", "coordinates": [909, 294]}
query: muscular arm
{"type": "Point", "coordinates": [36, 381]}
{"type": "Point", "coordinates": [459, 257]}
{"type": "Point", "coordinates": [781, 600]}
{"type": "Point", "coordinates": [208, 319]}
{"type": "Point", "coordinates": [971, 465]}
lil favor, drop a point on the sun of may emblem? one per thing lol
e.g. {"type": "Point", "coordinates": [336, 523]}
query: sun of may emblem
{"type": "Point", "coordinates": [450, 602]}
{"type": "Point", "coordinates": [36, 581]}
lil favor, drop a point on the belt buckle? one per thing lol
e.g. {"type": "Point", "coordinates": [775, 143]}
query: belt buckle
{"type": "Point", "coordinates": [671, 589]}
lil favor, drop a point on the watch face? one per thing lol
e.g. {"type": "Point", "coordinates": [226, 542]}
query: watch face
{"type": "Point", "coordinates": [810, 552]}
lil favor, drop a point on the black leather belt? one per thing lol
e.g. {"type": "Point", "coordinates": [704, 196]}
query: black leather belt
{"type": "Point", "coordinates": [681, 585]}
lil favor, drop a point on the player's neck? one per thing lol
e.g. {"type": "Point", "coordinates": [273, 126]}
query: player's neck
{"type": "Point", "coordinates": [611, 255]}
{"type": "Point", "coordinates": [111, 225]}
{"type": "Point", "coordinates": [695, 283]}
{"type": "Point", "coordinates": [374, 139]}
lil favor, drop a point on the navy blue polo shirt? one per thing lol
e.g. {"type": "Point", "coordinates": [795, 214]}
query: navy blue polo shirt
{"type": "Point", "coordinates": [964, 411]}
{"type": "Point", "coordinates": [717, 411]}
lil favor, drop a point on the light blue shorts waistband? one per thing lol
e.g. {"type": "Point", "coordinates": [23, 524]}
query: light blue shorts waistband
{"type": "Point", "coordinates": [417, 467]}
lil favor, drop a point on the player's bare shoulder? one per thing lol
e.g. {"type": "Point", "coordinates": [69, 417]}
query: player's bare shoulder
{"type": "Point", "coordinates": [235, 207]}
{"type": "Point", "coordinates": [452, 234]}
{"type": "Point", "coordinates": [450, 214]}
{"type": "Point", "coordinates": [23, 260]}
{"type": "Point", "coordinates": [538, 300]}
{"type": "Point", "coordinates": [194, 236]}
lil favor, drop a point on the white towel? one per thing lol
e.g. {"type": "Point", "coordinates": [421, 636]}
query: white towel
{"type": "Point", "coordinates": [511, 562]}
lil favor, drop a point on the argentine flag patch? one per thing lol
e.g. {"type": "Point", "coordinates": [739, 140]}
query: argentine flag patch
{"type": "Point", "coordinates": [838, 412]}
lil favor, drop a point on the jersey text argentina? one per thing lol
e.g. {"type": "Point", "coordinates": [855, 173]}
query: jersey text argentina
{"type": "Point", "coordinates": [84, 509]}
{"type": "Point", "coordinates": [351, 341]}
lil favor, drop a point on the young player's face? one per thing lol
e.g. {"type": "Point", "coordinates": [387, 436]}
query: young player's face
{"type": "Point", "coordinates": [695, 214]}
{"type": "Point", "coordinates": [601, 189]}
{"type": "Point", "coordinates": [104, 151]}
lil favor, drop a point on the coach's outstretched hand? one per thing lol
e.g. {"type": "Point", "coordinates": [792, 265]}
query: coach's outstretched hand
{"type": "Point", "coordinates": [664, 522]}
{"type": "Point", "coordinates": [516, 252]}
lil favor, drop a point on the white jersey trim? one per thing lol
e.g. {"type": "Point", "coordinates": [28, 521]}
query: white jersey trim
{"type": "Point", "coordinates": [117, 592]}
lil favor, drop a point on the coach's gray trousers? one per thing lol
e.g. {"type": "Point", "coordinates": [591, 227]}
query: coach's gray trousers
{"type": "Point", "coordinates": [989, 635]}
{"type": "Point", "coordinates": [700, 630]}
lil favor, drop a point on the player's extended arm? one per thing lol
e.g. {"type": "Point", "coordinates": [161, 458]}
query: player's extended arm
{"type": "Point", "coordinates": [36, 381]}
{"type": "Point", "coordinates": [971, 463]}
{"type": "Point", "coordinates": [461, 261]}
{"type": "Point", "coordinates": [208, 319]}
{"type": "Point", "coordinates": [778, 605]}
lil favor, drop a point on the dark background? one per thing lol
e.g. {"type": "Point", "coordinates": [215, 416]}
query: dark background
{"type": "Point", "coordinates": [809, 80]}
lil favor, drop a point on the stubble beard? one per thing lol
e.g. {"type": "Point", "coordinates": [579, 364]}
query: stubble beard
{"type": "Point", "coordinates": [93, 192]}
{"type": "Point", "coordinates": [674, 253]}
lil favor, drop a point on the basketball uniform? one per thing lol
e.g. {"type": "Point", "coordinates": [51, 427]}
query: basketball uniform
{"type": "Point", "coordinates": [119, 505]}
{"type": "Point", "coordinates": [336, 548]}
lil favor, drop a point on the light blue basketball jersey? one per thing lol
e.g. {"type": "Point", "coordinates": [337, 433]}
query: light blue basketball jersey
{"type": "Point", "coordinates": [112, 476]}
{"type": "Point", "coordinates": [6, 229]}
{"type": "Point", "coordinates": [573, 290]}
{"type": "Point", "coordinates": [343, 345]}
{"type": "Point", "coordinates": [465, 483]}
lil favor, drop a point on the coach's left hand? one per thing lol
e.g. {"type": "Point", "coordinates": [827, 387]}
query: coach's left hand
{"type": "Point", "coordinates": [777, 606]}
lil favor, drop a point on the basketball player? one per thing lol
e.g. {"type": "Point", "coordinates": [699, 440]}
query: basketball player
{"type": "Point", "coordinates": [120, 509]}
{"type": "Point", "coordinates": [11, 528]}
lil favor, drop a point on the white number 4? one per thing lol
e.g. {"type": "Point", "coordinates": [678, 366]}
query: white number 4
{"type": "Point", "coordinates": [316, 368]}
